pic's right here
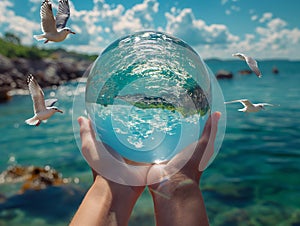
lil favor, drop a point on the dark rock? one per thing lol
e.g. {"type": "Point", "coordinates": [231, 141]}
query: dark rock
{"type": "Point", "coordinates": [5, 81]}
{"type": "Point", "coordinates": [275, 70]}
{"type": "Point", "coordinates": [4, 96]}
{"type": "Point", "coordinates": [223, 74]}
{"type": "Point", "coordinates": [5, 64]}
{"type": "Point", "coordinates": [22, 65]}
{"type": "Point", "coordinates": [33, 177]}
{"type": "Point", "coordinates": [48, 72]}
{"type": "Point", "coordinates": [245, 72]}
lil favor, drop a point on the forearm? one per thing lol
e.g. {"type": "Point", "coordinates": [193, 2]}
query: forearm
{"type": "Point", "coordinates": [124, 199]}
{"type": "Point", "coordinates": [95, 207]}
{"type": "Point", "coordinates": [106, 203]}
{"type": "Point", "coordinates": [179, 203]}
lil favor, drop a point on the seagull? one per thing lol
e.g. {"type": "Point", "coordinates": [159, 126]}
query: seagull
{"type": "Point", "coordinates": [248, 106]}
{"type": "Point", "coordinates": [251, 63]}
{"type": "Point", "coordinates": [43, 109]}
{"type": "Point", "coordinates": [54, 29]}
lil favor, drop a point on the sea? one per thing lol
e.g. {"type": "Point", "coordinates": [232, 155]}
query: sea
{"type": "Point", "coordinates": [254, 180]}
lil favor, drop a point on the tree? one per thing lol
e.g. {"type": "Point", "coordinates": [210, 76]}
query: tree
{"type": "Point", "coordinates": [10, 37]}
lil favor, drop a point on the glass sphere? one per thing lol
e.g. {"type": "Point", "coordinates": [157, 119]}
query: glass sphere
{"type": "Point", "coordinates": [148, 96]}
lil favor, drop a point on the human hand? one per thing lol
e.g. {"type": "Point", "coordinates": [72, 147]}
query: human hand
{"type": "Point", "coordinates": [166, 195]}
{"type": "Point", "coordinates": [107, 202]}
{"type": "Point", "coordinates": [178, 199]}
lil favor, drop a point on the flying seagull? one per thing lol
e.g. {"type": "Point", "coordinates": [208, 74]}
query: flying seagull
{"type": "Point", "coordinates": [54, 29]}
{"type": "Point", "coordinates": [43, 109]}
{"type": "Point", "coordinates": [250, 61]}
{"type": "Point", "coordinates": [248, 106]}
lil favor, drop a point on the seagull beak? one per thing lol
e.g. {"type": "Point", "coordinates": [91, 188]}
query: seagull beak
{"type": "Point", "coordinates": [72, 32]}
{"type": "Point", "coordinates": [60, 111]}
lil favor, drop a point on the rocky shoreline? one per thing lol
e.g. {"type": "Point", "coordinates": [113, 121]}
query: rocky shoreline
{"type": "Point", "coordinates": [48, 72]}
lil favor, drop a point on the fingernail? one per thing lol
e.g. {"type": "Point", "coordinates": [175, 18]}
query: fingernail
{"type": "Point", "coordinates": [79, 120]}
{"type": "Point", "coordinates": [217, 115]}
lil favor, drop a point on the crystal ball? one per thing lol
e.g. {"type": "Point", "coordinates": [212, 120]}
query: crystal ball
{"type": "Point", "coordinates": [148, 96]}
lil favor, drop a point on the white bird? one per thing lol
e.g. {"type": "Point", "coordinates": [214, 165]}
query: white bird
{"type": "Point", "coordinates": [54, 29]}
{"type": "Point", "coordinates": [248, 106]}
{"type": "Point", "coordinates": [251, 63]}
{"type": "Point", "coordinates": [43, 109]}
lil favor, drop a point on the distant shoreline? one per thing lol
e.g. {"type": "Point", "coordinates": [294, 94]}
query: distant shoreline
{"type": "Point", "coordinates": [64, 68]}
{"type": "Point", "coordinates": [48, 72]}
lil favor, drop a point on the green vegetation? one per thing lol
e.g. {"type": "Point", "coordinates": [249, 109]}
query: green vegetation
{"type": "Point", "coordinates": [11, 47]}
{"type": "Point", "coordinates": [184, 111]}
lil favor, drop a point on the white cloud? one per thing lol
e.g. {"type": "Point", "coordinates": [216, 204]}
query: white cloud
{"type": "Point", "coordinates": [231, 6]}
{"type": "Point", "coordinates": [276, 36]}
{"type": "Point", "coordinates": [35, 5]}
{"type": "Point", "coordinates": [254, 17]}
{"type": "Point", "coordinates": [266, 17]}
{"type": "Point", "coordinates": [227, 12]}
{"type": "Point", "coordinates": [138, 17]}
{"type": "Point", "coordinates": [15, 24]}
{"type": "Point", "coordinates": [235, 8]}
{"type": "Point", "coordinates": [5, 4]}
{"type": "Point", "coordinates": [272, 40]}
{"type": "Point", "coordinates": [197, 32]}
{"type": "Point", "coordinates": [276, 24]}
{"type": "Point", "coordinates": [104, 23]}
{"type": "Point", "coordinates": [35, 1]}
{"type": "Point", "coordinates": [95, 28]}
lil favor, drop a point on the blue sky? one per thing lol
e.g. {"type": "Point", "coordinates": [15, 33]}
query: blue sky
{"type": "Point", "coordinates": [215, 28]}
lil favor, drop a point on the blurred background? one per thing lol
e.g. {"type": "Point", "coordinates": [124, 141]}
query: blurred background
{"type": "Point", "coordinates": [254, 180]}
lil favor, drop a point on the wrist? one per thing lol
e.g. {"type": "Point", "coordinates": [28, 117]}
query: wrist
{"type": "Point", "coordinates": [120, 199]}
{"type": "Point", "coordinates": [169, 189]}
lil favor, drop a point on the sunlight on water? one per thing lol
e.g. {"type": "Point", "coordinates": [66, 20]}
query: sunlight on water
{"type": "Point", "coordinates": [145, 130]}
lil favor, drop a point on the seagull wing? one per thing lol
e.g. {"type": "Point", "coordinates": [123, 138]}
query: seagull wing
{"type": "Point", "coordinates": [235, 101]}
{"type": "Point", "coordinates": [253, 65]}
{"type": "Point", "coordinates": [63, 14]}
{"type": "Point", "coordinates": [247, 103]}
{"type": "Point", "coordinates": [266, 104]}
{"type": "Point", "coordinates": [48, 21]}
{"type": "Point", "coordinates": [50, 102]}
{"type": "Point", "coordinates": [37, 95]}
{"type": "Point", "coordinates": [239, 55]}
{"type": "Point", "coordinates": [244, 102]}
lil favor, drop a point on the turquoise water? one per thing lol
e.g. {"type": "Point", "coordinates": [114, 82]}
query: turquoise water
{"type": "Point", "coordinates": [146, 135]}
{"type": "Point", "coordinates": [254, 180]}
{"type": "Point", "coordinates": [144, 94]}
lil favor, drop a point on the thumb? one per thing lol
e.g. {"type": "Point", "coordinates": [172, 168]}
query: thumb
{"type": "Point", "coordinates": [86, 130]}
{"type": "Point", "coordinates": [209, 150]}
{"type": "Point", "coordinates": [87, 134]}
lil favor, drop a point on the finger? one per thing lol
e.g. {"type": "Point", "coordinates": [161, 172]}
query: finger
{"type": "Point", "coordinates": [86, 130]}
{"type": "Point", "coordinates": [202, 143]}
{"type": "Point", "coordinates": [87, 134]}
{"type": "Point", "coordinates": [197, 148]}
{"type": "Point", "coordinates": [209, 150]}
{"type": "Point", "coordinates": [210, 133]}
{"type": "Point", "coordinates": [206, 134]}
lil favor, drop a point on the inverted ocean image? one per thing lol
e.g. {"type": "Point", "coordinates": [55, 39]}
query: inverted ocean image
{"type": "Point", "coordinates": [254, 180]}
{"type": "Point", "coordinates": [144, 97]}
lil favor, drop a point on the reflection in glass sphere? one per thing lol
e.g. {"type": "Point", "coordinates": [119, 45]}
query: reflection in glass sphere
{"type": "Point", "coordinates": [148, 96]}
